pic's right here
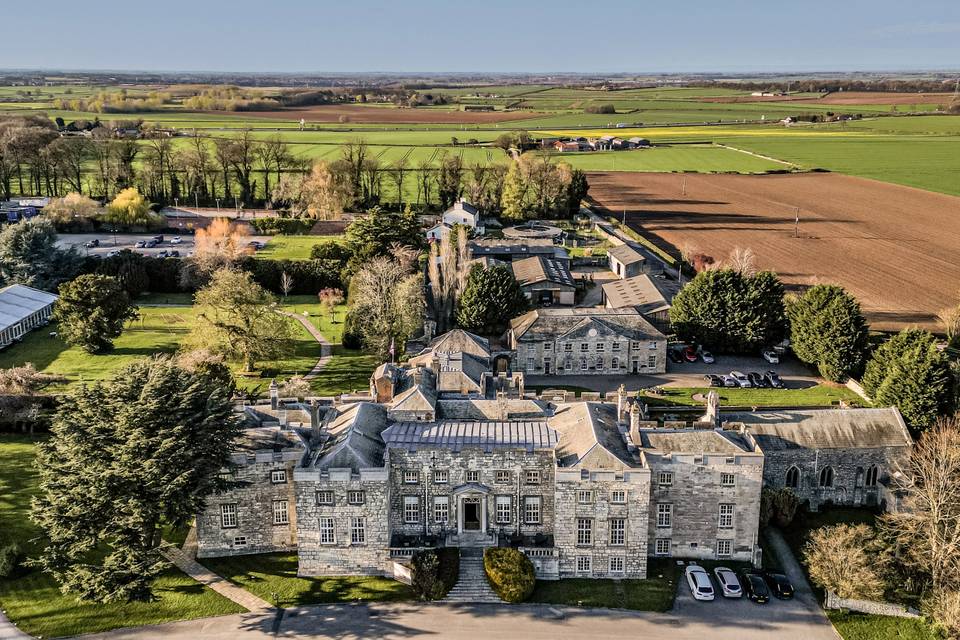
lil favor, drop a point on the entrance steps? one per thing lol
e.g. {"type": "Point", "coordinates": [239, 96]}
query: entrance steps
{"type": "Point", "coordinates": [472, 585]}
{"type": "Point", "coordinates": [471, 539]}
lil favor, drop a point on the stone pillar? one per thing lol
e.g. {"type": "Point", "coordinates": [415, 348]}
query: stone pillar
{"type": "Point", "coordinates": [274, 394]}
{"type": "Point", "coordinates": [621, 401]}
{"type": "Point", "coordinates": [635, 424]}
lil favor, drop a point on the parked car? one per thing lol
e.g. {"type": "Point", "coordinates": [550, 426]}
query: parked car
{"type": "Point", "coordinates": [173, 254]}
{"type": "Point", "coordinates": [150, 244]}
{"type": "Point", "coordinates": [771, 356]}
{"type": "Point", "coordinates": [162, 254]}
{"type": "Point", "coordinates": [113, 252]}
{"type": "Point", "coordinates": [90, 244]}
{"type": "Point", "coordinates": [674, 356]}
{"type": "Point", "coordinates": [256, 244]}
{"type": "Point", "coordinates": [729, 585]}
{"type": "Point", "coordinates": [729, 381]}
{"type": "Point", "coordinates": [176, 240]}
{"type": "Point", "coordinates": [699, 582]}
{"type": "Point", "coordinates": [140, 244]}
{"type": "Point", "coordinates": [754, 586]}
{"type": "Point", "coordinates": [779, 583]}
{"type": "Point", "coordinates": [741, 378]}
{"type": "Point", "coordinates": [157, 239]}
{"type": "Point", "coordinates": [707, 357]}
{"type": "Point", "coordinates": [713, 380]}
{"type": "Point", "coordinates": [757, 379]}
{"type": "Point", "coordinates": [773, 380]}
{"type": "Point", "coordinates": [689, 354]}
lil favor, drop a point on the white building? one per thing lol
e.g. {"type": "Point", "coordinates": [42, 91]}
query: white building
{"type": "Point", "coordinates": [22, 309]}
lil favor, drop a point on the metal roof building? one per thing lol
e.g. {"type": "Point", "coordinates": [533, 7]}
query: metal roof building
{"type": "Point", "coordinates": [22, 308]}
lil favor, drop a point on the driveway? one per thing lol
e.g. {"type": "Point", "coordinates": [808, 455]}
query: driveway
{"type": "Point", "coordinates": [687, 374]}
{"type": "Point", "coordinates": [689, 621]}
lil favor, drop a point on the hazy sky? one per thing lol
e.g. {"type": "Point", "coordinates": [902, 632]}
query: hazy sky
{"type": "Point", "coordinates": [482, 35]}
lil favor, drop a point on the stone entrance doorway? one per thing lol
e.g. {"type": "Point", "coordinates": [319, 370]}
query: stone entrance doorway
{"type": "Point", "coordinates": [471, 514]}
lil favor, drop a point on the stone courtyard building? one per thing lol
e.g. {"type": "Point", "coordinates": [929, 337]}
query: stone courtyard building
{"type": "Point", "coordinates": [584, 488]}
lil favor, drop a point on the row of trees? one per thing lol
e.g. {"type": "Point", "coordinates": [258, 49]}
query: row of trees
{"type": "Point", "coordinates": [736, 311]}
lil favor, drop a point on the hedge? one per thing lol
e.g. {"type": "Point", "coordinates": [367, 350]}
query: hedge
{"type": "Point", "coordinates": [510, 573]}
{"type": "Point", "coordinates": [285, 226]}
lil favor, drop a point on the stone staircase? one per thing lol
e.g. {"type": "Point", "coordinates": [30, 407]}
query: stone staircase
{"type": "Point", "coordinates": [472, 585]}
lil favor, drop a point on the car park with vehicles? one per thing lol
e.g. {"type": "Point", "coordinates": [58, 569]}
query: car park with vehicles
{"type": "Point", "coordinates": [699, 582]}
{"type": "Point", "coordinates": [729, 584]}
{"type": "Point", "coordinates": [773, 380]}
{"type": "Point", "coordinates": [754, 586]}
{"type": "Point", "coordinates": [771, 356]}
{"type": "Point", "coordinates": [779, 583]}
{"type": "Point", "coordinates": [741, 378]}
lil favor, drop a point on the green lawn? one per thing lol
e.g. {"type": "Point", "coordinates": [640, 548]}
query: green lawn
{"type": "Point", "coordinates": [273, 577]}
{"type": "Point", "coordinates": [34, 600]}
{"type": "Point", "coordinates": [816, 396]}
{"type": "Point", "coordinates": [656, 593]}
{"type": "Point", "coordinates": [702, 158]}
{"type": "Point", "coordinates": [859, 626]}
{"type": "Point", "coordinates": [282, 247]}
{"type": "Point", "coordinates": [157, 330]}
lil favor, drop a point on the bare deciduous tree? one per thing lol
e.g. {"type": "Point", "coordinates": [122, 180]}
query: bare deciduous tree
{"type": "Point", "coordinates": [389, 304]}
{"type": "Point", "coordinates": [927, 527]}
{"type": "Point", "coordinates": [447, 272]}
{"type": "Point", "coordinates": [839, 559]}
{"type": "Point", "coordinates": [286, 283]}
{"type": "Point", "coordinates": [743, 261]}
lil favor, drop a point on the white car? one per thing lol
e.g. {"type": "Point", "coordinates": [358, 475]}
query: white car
{"type": "Point", "coordinates": [741, 378]}
{"type": "Point", "coordinates": [729, 585]}
{"type": "Point", "coordinates": [176, 240]}
{"type": "Point", "coordinates": [771, 356]}
{"type": "Point", "coordinates": [113, 253]}
{"type": "Point", "coordinates": [699, 582]}
{"type": "Point", "coordinates": [707, 357]}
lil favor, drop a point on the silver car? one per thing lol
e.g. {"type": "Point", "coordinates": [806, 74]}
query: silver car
{"type": "Point", "coordinates": [729, 584]}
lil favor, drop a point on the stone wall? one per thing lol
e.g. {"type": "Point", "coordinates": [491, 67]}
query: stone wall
{"type": "Point", "coordinates": [849, 474]}
{"type": "Point", "coordinates": [696, 494]}
{"type": "Point", "coordinates": [833, 601]}
{"type": "Point", "coordinates": [427, 460]}
{"type": "Point", "coordinates": [343, 556]}
{"type": "Point", "coordinates": [599, 510]}
{"type": "Point", "coordinates": [254, 498]}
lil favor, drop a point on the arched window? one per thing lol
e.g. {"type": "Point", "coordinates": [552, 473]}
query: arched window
{"type": "Point", "coordinates": [793, 478]}
{"type": "Point", "coordinates": [615, 362]}
{"type": "Point", "coordinates": [859, 478]}
{"type": "Point", "coordinates": [599, 362]}
{"type": "Point", "coordinates": [873, 474]}
{"type": "Point", "coordinates": [826, 477]}
{"type": "Point", "coordinates": [583, 363]}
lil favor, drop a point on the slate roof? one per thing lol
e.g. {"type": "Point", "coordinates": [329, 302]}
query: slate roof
{"type": "Point", "coordinates": [626, 254]}
{"type": "Point", "coordinates": [486, 434]}
{"type": "Point", "coordinates": [586, 426]}
{"type": "Point", "coordinates": [548, 324]}
{"type": "Point", "coordinates": [418, 392]}
{"type": "Point", "coordinates": [529, 247]}
{"type": "Point", "coordinates": [19, 301]}
{"type": "Point", "coordinates": [825, 429]}
{"type": "Point", "coordinates": [536, 269]}
{"type": "Point", "coordinates": [481, 409]}
{"type": "Point", "coordinates": [272, 439]}
{"type": "Point", "coordinates": [354, 438]}
{"type": "Point", "coordinates": [639, 291]}
{"type": "Point", "coordinates": [459, 341]}
{"type": "Point", "coordinates": [460, 371]}
{"type": "Point", "coordinates": [691, 441]}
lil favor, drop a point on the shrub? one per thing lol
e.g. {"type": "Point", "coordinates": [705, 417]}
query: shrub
{"type": "Point", "coordinates": [600, 108]}
{"type": "Point", "coordinates": [11, 558]}
{"type": "Point", "coordinates": [778, 505]}
{"type": "Point", "coordinates": [510, 573]}
{"type": "Point", "coordinates": [427, 582]}
{"type": "Point", "coordinates": [286, 226]}
{"type": "Point", "coordinates": [330, 250]}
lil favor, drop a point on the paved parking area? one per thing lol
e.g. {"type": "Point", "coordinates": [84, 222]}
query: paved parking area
{"type": "Point", "coordinates": [110, 242]}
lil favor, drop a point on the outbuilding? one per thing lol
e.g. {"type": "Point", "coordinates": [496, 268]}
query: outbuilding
{"type": "Point", "coordinates": [22, 309]}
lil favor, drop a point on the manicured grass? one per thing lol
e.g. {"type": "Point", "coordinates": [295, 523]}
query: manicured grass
{"type": "Point", "coordinates": [821, 395]}
{"type": "Point", "coordinates": [34, 601]}
{"type": "Point", "coordinates": [704, 158]}
{"type": "Point", "coordinates": [859, 626]}
{"type": "Point", "coordinates": [656, 593]}
{"type": "Point", "coordinates": [158, 330]}
{"type": "Point", "coordinates": [273, 577]}
{"type": "Point", "coordinates": [282, 247]}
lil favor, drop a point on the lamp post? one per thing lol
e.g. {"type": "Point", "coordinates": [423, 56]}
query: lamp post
{"type": "Point", "coordinates": [218, 206]}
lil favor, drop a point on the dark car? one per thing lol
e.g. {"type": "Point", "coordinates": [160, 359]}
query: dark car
{"type": "Point", "coordinates": [779, 583]}
{"type": "Point", "coordinates": [173, 254]}
{"type": "Point", "coordinates": [773, 380]}
{"type": "Point", "coordinates": [754, 586]}
{"type": "Point", "coordinates": [90, 244]}
{"type": "Point", "coordinates": [757, 379]}
{"type": "Point", "coordinates": [157, 239]}
{"type": "Point", "coordinates": [712, 380]}
{"type": "Point", "coordinates": [674, 356]}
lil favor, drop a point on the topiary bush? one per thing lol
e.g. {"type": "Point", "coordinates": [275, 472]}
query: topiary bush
{"type": "Point", "coordinates": [510, 573]}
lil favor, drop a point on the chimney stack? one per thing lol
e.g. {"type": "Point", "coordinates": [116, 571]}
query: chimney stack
{"type": "Point", "coordinates": [621, 401]}
{"type": "Point", "coordinates": [635, 424]}
{"type": "Point", "coordinates": [315, 422]}
{"type": "Point", "coordinates": [274, 395]}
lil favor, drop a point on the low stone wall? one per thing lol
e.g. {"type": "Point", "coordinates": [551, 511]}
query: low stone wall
{"type": "Point", "coordinates": [869, 606]}
{"type": "Point", "coordinates": [855, 386]}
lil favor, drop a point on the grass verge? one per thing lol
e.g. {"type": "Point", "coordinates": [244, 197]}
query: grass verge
{"type": "Point", "coordinates": [655, 593]}
{"type": "Point", "coordinates": [273, 577]}
{"type": "Point", "coordinates": [816, 396]}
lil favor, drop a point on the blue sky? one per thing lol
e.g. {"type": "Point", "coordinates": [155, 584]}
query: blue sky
{"type": "Point", "coordinates": [483, 35]}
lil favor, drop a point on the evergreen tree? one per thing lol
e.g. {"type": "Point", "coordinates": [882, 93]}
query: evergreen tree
{"type": "Point", "coordinates": [828, 330]}
{"type": "Point", "coordinates": [730, 312]}
{"type": "Point", "coordinates": [576, 191]}
{"type": "Point", "coordinates": [909, 372]}
{"type": "Point", "coordinates": [491, 298]}
{"type": "Point", "coordinates": [91, 312]}
{"type": "Point", "coordinates": [29, 255]}
{"type": "Point", "coordinates": [126, 457]}
{"type": "Point", "coordinates": [375, 233]}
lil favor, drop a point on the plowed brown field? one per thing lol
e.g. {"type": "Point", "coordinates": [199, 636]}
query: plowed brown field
{"type": "Point", "coordinates": [896, 248]}
{"type": "Point", "coordinates": [391, 115]}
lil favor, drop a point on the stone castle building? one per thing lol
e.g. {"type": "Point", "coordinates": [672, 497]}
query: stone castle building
{"type": "Point", "coordinates": [584, 488]}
